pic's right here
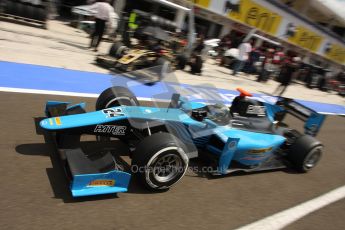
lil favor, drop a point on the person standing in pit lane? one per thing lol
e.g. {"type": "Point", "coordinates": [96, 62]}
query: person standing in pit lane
{"type": "Point", "coordinates": [287, 72]}
{"type": "Point", "coordinates": [103, 14]}
{"type": "Point", "coordinates": [266, 66]}
{"type": "Point", "coordinates": [243, 54]}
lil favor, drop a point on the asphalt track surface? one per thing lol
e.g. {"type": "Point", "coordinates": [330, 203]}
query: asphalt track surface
{"type": "Point", "coordinates": [34, 193]}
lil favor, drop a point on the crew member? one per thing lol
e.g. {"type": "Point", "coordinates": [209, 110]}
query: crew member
{"type": "Point", "coordinates": [243, 54]}
{"type": "Point", "coordinates": [103, 14]}
{"type": "Point", "coordinates": [287, 73]}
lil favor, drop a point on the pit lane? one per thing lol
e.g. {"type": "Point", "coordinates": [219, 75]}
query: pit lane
{"type": "Point", "coordinates": [35, 195]}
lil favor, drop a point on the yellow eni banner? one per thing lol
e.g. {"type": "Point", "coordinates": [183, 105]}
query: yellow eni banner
{"type": "Point", "coordinates": [255, 15]}
{"type": "Point", "coordinates": [336, 53]}
{"type": "Point", "coordinates": [203, 3]}
{"type": "Point", "coordinates": [306, 39]}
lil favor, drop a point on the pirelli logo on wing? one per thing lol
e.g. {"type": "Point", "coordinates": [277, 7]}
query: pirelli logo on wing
{"type": "Point", "coordinates": [112, 129]}
{"type": "Point", "coordinates": [101, 182]}
{"type": "Point", "coordinates": [259, 151]}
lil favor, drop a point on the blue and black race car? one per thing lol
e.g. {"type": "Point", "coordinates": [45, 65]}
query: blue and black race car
{"type": "Point", "coordinates": [248, 136]}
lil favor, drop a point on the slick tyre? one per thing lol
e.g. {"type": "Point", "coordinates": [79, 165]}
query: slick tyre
{"type": "Point", "coordinates": [116, 96]}
{"type": "Point", "coordinates": [305, 153]}
{"type": "Point", "coordinates": [117, 50]}
{"type": "Point", "coordinates": [159, 161]}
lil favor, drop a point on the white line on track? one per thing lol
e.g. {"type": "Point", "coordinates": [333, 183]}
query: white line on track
{"type": "Point", "coordinates": [48, 92]}
{"type": "Point", "coordinates": [59, 93]}
{"type": "Point", "coordinates": [94, 95]}
{"type": "Point", "coordinates": [288, 216]}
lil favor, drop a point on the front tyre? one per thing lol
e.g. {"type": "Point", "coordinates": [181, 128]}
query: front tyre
{"type": "Point", "coordinates": [305, 153]}
{"type": "Point", "coordinates": [116, 96]}
{"type": "Point", "coordinates": [117, 50]}
{"type": "Point", "coordinates": [160, 161]}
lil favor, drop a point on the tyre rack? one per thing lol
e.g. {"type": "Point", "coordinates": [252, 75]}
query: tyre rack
{"type": "Point", "coordinates": [25, 13]}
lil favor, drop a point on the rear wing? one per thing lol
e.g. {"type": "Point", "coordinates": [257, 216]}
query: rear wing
{"type": "Point", "coordinates": [313, 120]}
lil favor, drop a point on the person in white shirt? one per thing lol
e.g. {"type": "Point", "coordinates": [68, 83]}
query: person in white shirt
{"type": "Point", "coordinates": [243, 54]}
{"type": "Point", "coordinates": [103, 11]}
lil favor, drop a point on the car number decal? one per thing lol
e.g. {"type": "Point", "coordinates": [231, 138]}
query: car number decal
{"type": "Point", "coordinates": [113, 112]}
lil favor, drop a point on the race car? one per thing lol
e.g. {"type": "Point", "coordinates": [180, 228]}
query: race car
{"type": "Point", "coordinates": [153, 41]}
{"type": "Point", "coordinates": [153, 46]}
{"type": "Point", "coordinates": [248, 136]}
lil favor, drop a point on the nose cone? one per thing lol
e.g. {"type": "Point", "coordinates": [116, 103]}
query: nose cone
{"type": "Point", "coordinates": [50, 123]}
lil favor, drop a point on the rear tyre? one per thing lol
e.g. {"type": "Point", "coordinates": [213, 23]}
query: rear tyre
{"type": "Point", "coordinates": [305, 153]}
{"type": "Point", "coordinates": [159, 161]}
{"type": "Point", "coordinates": [117, 50]}
{"type": "Point", "coordinates": [116, 96]}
